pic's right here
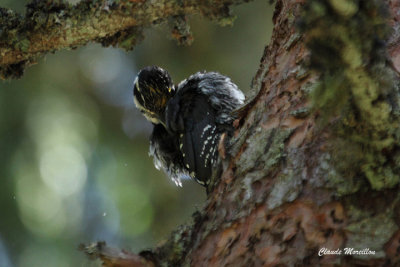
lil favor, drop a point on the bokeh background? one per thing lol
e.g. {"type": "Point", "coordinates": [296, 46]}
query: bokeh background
{"type": "Point", "coordinates": [74, 164]}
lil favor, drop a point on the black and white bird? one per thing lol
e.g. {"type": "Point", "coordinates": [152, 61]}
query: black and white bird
{"type": "Point", "coordinates": [188, 119]}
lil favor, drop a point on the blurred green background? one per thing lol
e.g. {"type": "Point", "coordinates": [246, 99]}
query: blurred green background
{"type": "Point", "coordinates": [74, 164]}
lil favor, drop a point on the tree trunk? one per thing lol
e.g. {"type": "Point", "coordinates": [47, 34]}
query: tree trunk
{"type": "Point", "coordinates": [312, 174]}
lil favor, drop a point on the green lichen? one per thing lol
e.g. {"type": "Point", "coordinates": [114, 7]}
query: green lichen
{"type": "Point", "coordinates": [275, 152]}
{"type": "Point", "coordinates": [372, 233]}
{"type": "Point", "coordinates": [265, 148]}
{"type": "Point", "coordinates": [344, 182]}
{"type": "Point", "coordinates": [293, 39]}
{"type": "Point", "coordinates": [180, 30]}
{"type": "Point", "coordinates": [257, 112]}
{"type": "Point", "coordinates": [175, 250]}
{"type": "Point", "coordinates": [329, 95]}
{"type": "Point", "coordinates": [236, 142]}
{"type": "Point", "coordinates": [319, 9]}
{"type": "Point", "coordinates": [300, 113]}
{"type": "Point", "coordinates": [344, 7]}
{"type": "Point", "coordinates": [23, 45]}
{"type": "Point", "coordinates": [302, 73]}
{"type": "Point", "coordinates": [128, 43]}
{"type": "Point", "coordinates": [310, 87]}
{"type": "Point", "coordinates": [286, 188]}
{"type": "Point", "coordinates": [356, 89]}
{"type": "Point", "coordinates": [226, 21]}
{"type": "Point", "coordinates": [380, 177]}
{"type": "Point", "coordinates": [221, 14]}
{"type": "Point", "coordinates": [366, 163]}
{"type": "Point", "coordinates": [356, 214]}
{"type": "Point", "coordinates": [342, 185]}
{"type": "Point", "coordinates": [264, 152]}
{"type": "Point", "coordinates": [366, 91]}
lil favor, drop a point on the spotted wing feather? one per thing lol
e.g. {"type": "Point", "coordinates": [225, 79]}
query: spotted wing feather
{"type": "Point", "coordinates": [191, 115]}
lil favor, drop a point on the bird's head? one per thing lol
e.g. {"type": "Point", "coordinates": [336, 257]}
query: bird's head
{"type": "Point", "coordinates": [152, 89]}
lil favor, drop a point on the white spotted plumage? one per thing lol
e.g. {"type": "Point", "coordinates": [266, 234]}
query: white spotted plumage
{"type": "Point", "coordinates": [193, 146]}
{"type": "Point", "coordinates": [206, 129]}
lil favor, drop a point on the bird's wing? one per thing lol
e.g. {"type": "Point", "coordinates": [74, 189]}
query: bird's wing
{"type": "Point", "coordinates": [192, 117]}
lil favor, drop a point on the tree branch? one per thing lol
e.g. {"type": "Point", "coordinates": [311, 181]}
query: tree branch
{"type": "Point", "coordinates": [113, 257]}
{"type": "Point", "coordinates": [53, 25]}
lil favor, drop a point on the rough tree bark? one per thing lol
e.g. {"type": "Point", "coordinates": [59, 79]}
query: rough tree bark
{"type": "Point", "coordinates": [51, 25]}
{"type": "Point", "coordinates": [315, 159]}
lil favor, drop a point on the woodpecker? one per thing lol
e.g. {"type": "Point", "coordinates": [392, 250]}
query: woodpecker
{"type": "Point", "coordinates": [188, 119]}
